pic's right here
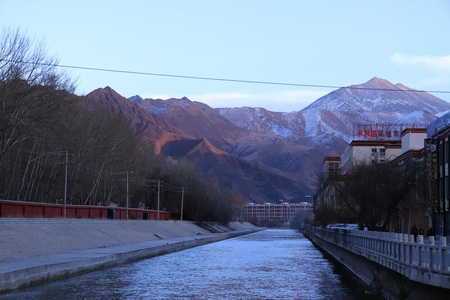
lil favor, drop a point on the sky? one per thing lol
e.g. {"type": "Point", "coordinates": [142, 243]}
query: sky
{"type": "Point", "coordinates": [318, 43]}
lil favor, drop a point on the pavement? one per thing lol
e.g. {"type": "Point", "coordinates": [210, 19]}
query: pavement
{"type": "Point", "coordinates": [38, 250]}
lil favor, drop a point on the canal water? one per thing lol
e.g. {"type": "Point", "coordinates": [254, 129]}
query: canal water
{"type": "Point", "coordinates": [270, 264]}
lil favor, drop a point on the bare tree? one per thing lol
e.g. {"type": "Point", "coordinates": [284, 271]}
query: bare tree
{"type": "Point", "coordinates": [28, 80]}
{"type": "Point", "coordinates": [22, 58]}
{"type": "Point", "coordinates": [374, 193]}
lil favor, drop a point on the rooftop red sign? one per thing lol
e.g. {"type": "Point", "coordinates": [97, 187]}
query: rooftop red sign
{"type": "Point", "coordinates": [382, 131]}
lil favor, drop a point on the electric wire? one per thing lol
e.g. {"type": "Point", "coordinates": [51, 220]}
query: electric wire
{"type": "Point", "coordinates": [36, 156]}
{"type": "Point", "coordinates": [353, 87]}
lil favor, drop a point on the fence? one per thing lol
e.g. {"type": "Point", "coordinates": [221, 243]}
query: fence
{"type": "Point", "coordinates": [428, 262]}
{"type": "Point", "coordinates": [21, 209]}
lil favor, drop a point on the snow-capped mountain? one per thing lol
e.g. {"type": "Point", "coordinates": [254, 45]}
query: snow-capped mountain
{"type": "Point", "coordinates": [379, 95]}
{"type": "Point", "coordinates": [376, 101]}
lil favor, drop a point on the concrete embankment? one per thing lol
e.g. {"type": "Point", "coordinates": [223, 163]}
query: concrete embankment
{"type": "Point", "coordinates": [381, 281]}
{"type": "Point", "coordinates": [38, 250]}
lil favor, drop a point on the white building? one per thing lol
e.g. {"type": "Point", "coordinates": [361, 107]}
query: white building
{"type": "Point", "coordinates": [413, 139]}
{"type": "Point", "coordinates": [369, 151]}
{"type": "Point", "coordinates": [283, 212]}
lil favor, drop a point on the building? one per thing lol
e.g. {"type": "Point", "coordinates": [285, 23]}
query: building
{"type": "Point", "coordinates": [326, 193]}
{"type": "Point", "coordinates": [369, 151]}
{"type": "Point", "coordinates": [413, 139]}
{"type": "Point", "coordinates": [405, 153]}
{"type": "Point", "coordinates": [283, 212]}
{"type": "Point", "coordinates": [437, 157]}
{"type": "Point", "coordinates": [331, 166]}
{"type": "Point", "coordinates": [328, 203]}
{"type": "Point", "coordinates": [415, 208]}
{"type": "Point", "coordinates": [377, 143]}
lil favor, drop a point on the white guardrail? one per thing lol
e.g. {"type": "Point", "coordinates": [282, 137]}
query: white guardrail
{"type": "Point", "coordinates": [427, 262]}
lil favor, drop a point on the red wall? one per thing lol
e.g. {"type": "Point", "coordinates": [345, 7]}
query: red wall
{"type": "Point", "coordinates": [21, 209]}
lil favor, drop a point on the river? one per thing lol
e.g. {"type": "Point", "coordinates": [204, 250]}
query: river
{"type": "Point", "coordinates": [270, 264]}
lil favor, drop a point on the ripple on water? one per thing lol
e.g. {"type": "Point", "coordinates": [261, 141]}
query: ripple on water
{"type": "Point", "coordinates": [272, 264]}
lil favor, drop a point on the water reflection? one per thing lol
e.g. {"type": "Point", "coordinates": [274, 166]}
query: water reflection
{"type": "Point", "coordinates": [272, 264]}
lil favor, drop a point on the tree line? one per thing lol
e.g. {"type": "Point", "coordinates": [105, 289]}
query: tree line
{"type": "Point", "coordinates": [48, 134]}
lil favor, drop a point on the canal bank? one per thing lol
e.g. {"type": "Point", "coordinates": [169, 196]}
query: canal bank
{"type": "Point", "coordinates": [384, 273]}
{"type": "Point", "coordinates": [38, 250]}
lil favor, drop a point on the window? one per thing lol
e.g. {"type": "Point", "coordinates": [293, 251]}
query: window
{"type": "Point", "coordinates": [382, 155]}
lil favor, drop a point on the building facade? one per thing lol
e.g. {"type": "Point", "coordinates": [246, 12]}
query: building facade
{"type": "Point", "coordinates": [437, 156]}
{"type": "Point", "coordinates": [415, 209]}
{"type": "Point", "coordinates": [405, 153]}
{"type": "Point", "coordinates": [369, 151]}
{"type": "Point", "coordinates": [283, 212]}
{"type": "Point", "coordinates": [326, 192]}
{"type": "Point", "coordinates": [331, 166]}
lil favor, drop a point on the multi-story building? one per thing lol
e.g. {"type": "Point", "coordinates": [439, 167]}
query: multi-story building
{"type": "Point", "coordinates": [331, 166]}
{"type": "Point", "coordinates": [406, 151]}
{"type": "Point", "coordinates": [369, 151]}
{"type": "Point", "coordinates": [326, 192]}
{"type": "Point", "coordinates": [414, 209]}
{"type": "Point", "coordinates": [283, 212]}
{"type": "Point", "coordinates": [437, 156]}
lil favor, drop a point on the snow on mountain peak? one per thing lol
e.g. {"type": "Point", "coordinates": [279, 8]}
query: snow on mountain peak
{"type": "Point", "coordinates": [378, 95]}
{"type": "Point", "coordinates": [377, 100]}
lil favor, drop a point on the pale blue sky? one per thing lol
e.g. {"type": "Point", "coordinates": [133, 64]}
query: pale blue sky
{"type": "Point", "coordinates": [321, 42]}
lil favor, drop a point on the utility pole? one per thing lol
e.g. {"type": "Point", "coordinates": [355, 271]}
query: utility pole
{"type": "Point", "coordinates": [182, 200]}
{"type": "Point", "coordinates": [159, 192]}
{"type": "Point", "coordinates": [65, 185]}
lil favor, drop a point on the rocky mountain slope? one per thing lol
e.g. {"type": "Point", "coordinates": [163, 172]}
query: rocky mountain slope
{"type": "Point", "coordinates": [270, 156]}
{"type": "Point", "coordinates": [294, 161]}
{"type": "Point", "coordinates": [197, 119]}
{"type": "Point", "coordinates": [376, 101]}
{"type": "Point", "coordinates": [151, 127]}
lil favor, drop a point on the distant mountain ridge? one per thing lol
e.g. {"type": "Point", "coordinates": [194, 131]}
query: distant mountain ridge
{"type": "Point", "coordinates": [376, 101]}
{"type": "Point", "coordinates": [378, 95]}
{"type": "Point", "coordinates": [151, 127]}
{"type": "Point", "coordinates": [270, 156]}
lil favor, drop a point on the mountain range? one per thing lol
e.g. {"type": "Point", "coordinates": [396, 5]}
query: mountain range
{"type": "Point", "coordinates": [263, 155]}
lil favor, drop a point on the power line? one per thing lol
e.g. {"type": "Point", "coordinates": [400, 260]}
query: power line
{"type": "Point", "coordinates": [39, 154]}
{"type": "Point", "coordinates": [228, 79]}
